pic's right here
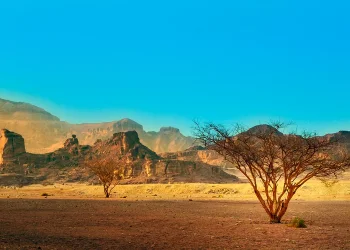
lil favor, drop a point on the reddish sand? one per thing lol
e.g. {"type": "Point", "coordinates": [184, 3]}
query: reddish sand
{"type": "Point", "coordinates": [49, 223]}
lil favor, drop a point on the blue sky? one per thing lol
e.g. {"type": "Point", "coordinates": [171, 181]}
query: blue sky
{"type": "Point", "coordinates": [165, 63]}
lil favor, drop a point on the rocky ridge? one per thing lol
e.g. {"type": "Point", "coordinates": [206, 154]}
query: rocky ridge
{"type": "Point", "coordinates": [67, 163]}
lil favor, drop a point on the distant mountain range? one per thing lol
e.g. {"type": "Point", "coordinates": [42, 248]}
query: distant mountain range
{"type": "Point", "coordinates": [44, 132]}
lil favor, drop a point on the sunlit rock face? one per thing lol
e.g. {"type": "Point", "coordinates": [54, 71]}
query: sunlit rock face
{"type": "Point", "coordinates": [11, 145]}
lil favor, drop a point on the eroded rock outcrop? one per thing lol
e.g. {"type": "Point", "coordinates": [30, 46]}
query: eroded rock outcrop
{"type": "Point", "coordinates": [124, 143]}
{"type": "Point", "coordinates": [72, 145]}
{"type": "Point", "coordinates": [148, 167]}
{"type": "Point", "coordinates": [11, 145]}
{"type": "Point", "coordinates": [71, 142]}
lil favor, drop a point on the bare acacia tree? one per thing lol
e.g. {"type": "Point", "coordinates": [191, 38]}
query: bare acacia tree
{"type": "Point", "coordinates": [275, 164]}
{"type": "Point", "coordinates": [109, 171]}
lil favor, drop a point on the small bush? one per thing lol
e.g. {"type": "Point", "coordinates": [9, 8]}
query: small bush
{"type": "Point", "coordinates": [218, 196]}
{"type": "Point", "coordinates": [44, 194]}
{"type": "Point", "coordinates": [297, 223]}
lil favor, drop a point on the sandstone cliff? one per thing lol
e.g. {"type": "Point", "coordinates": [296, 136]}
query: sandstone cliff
{"type": "Point", "coordinates": [11, 145]}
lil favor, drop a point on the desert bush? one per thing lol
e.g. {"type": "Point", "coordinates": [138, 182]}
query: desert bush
{"type": "Point", "coordinates": [218, 196]}
{"type": "Point", "coordinates": [109, 171]}
{"type": "Point", "coordinates": [297, 223]}
{"type": "Point", "coordinates": [44, 194]}
{"type": "Point", "coordinates": [221, 191]}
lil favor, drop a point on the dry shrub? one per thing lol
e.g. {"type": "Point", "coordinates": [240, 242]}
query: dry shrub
{"type": "Point", "coordinates": [297, 223]}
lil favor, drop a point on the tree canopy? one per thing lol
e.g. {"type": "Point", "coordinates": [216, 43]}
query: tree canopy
{"type": "Point", "coordinates": [109, 170]}
{"type": "Point", "coordinates": [275, 164]}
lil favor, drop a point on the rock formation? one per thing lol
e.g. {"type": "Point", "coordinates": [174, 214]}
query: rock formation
{"type": "Point", "coordinates": [71, 142]}
{"type": "Point", "coordinates": [72, 145]}
{"type": "Point", "coordinates": [11, 145]}
{"type": "Point", "coordinates": [124, 143]}
{"type": "Point", "coordinates": [68, 163]}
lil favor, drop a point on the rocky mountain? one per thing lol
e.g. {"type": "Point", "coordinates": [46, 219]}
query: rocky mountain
{"type": "Point", "coordinates": [262, 129]}
{"type": "Point", "coordinates": [23, 111]}
{"type": "Point", "coordinates": [45, 132]}
{"type": "Point", "coordinates": [342, 137]}
{"type": "Point", "coordinates": [68, 164]}
{"type": "Point", "coordinates": [40, 129]}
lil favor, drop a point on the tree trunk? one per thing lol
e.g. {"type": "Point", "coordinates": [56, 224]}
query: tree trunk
{"type": "Point", "coordinates": [105, 189]}
{"type": "Point", "coordinates": [286, 203]}
{"type": "Point", "coordinates": [275, 219]}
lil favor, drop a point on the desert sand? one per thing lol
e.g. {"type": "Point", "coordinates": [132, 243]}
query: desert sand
{"type": "Point", "coordinates": [169, 216]}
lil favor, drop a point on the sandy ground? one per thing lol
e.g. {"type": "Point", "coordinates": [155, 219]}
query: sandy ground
{"type": "Point", "coordinates": [174, 216]}
{"type": "Point", "coordinates": [313, 190]}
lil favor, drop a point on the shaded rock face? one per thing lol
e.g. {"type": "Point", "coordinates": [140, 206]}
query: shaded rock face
{"type": "Point", "coordinates": [263, 129]}
{"type": "Point", "coordinates": [72, 145]}
{"type": "Point", "coordinates": [198, 154]}
{"type": "Point", "coordinates": [126, 140]}
{"type": "Point", "coordinates": [11, 145]}
{"type": "Point", "coordinates": [127, 125]}
{"type": "Point", "coordinates": [71, 142]}
{"type": "Point", "coordinates": [169, 130]}
{"type": "Point", "coordinates": [196, 148]}
{"type": "Point", "coordinates": [341, 137]}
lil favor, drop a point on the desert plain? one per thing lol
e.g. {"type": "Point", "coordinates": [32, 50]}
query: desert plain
{"type": "Point", "coordinates": [170, 216]}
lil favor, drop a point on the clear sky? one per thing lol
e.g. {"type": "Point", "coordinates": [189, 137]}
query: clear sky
{"type": "Point", "coordinates": [165, 63]}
